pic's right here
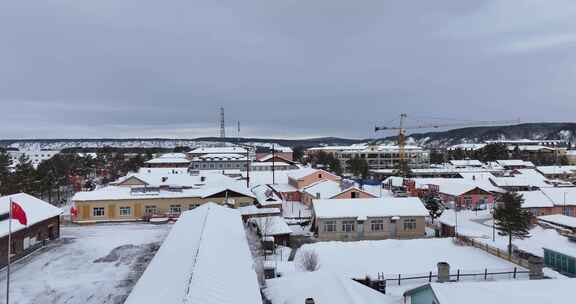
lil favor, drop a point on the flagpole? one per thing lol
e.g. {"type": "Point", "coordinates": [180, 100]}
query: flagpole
{"type": "Point", "coordinates": [9, 251]}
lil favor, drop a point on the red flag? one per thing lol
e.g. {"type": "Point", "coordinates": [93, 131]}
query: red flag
{"type": "Point", "coordinates": [74, 211]}
{"type": "Point", "coordinates": [19, 214]}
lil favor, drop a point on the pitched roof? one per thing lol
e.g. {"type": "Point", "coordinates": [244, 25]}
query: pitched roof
{"type": "Point", "coordinates": [204, 260]}
{"type": "Point", "coordinates": [535, 199]}
{"type": "Point", "coordinates": [323, 287]}
{"type": "Point", "coordinates": [515, 291]}
{"type": "Point", "coordinates": [36, 210]}
{"type": "Point", "coordinates": [369, 207]}
{"type": "Point", "coordinates": [326, 189]}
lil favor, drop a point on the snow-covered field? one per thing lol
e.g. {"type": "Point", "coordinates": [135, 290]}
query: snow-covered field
{"type": "Point", "coordinates": [478, 225]}
{"type": "Point", "coordinates": [88, 265]}
{"type": "Point", "coordinates": [406, 257]}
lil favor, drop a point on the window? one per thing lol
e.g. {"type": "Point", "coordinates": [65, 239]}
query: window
{"type": "Point", "coordinates": [125, 211]}
{"type": "Point", "coordinates": [410, 224]}
{"type": "Point", "coordinates": [354, 194]}
{"type": "Point", "coordinates": [330, 226]}
{"type": "Point", "coordinates": [98, 211]}
{"type": "Point", "coordinates": [192, 206]}
{"type": "Point", "coordinates": [150, 210]}
{"type": "Point", "coordinates": [377, 225]}
{"type": "Point", "coordinates": [347, 226]}
{"type": "Point", "coordinates": [175, 208]}
{"type": "Point", "coordinates": [320, 175]}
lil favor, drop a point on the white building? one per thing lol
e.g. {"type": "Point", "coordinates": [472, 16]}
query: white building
{"type": "Point", "coordinates": [34, 156]}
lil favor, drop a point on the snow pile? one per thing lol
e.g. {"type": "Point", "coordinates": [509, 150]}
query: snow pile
{"type": "Point", "coordinates": [204, 260]}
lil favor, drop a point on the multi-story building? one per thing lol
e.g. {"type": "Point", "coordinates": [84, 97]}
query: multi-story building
{"type": "Point", "coordinates": [378, 156]}
{"type": "Point", "coordinates": [219, 161]}
{"type": "Point", "coordinates": [34, 156]}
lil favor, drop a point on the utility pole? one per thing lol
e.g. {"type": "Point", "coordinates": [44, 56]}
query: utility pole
{"type": "Point", "coordinates": [273, 166]}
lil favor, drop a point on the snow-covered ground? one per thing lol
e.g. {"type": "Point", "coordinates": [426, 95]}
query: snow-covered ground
{"type": "Point", "coordinates": [478, 225]}
{"type": "Point", "coordinates": [406, 257]}
{"type": "Point", "coordinates": [88, 264]}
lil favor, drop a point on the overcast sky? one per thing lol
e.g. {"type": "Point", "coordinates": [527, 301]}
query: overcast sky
{"type": "Point", "coordinates": [287, 68]}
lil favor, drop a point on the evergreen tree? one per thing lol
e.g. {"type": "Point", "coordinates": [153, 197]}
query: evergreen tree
{"type": "Point", "coordinates": [511, 219]}
{"type": "Point", "coordinates": [298, 154]}
{"type": "Point", "coordinates": [4, 170]}
{"type": "Point", "coordinates": [358, 167]}
{"type": "Point", "coordinates": [493, 152]}
{"type": "Point", "coordinates": [434, 206]}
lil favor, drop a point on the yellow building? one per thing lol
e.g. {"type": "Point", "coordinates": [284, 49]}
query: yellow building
{"type": "Point", "coordinates": [148, 194]}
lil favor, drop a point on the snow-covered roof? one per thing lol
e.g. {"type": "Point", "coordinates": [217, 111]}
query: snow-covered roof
{"type": "Point", "coordinates": [369, 207]}
{"type": "Point", "coordinates": [303, 172]}
{"type": "Point", "coordinates": [265, 194]}
{"type": "Point", "coordinates": [467, 146]}
{"type": "Point", "coordinates": [168, 160]}
{"type": "Point", "coordinates": [561, 195]}
{"type": "Point", "coordinates": [204, 260]}
{"type": "Point", "coordinates": [514, 163]}
{"type": "Point", "coordinates": [127, 193]}
{"type": "Point", "coordinates": [549, 170]}
{"type": "Point", "coordinates": [178, 177]}
{"type": "Point", "coordinates": [218, 150]}
{"type": "Point", "coordinates": [560, 219]}
{"type": "Point", "coordinates": [455, 186]}
{"type": "Point", "coordinates": [466, 163]}
{"type": "Point", "coordinates": [323, 189]}
{"type": "Point", "coordinates": [36, 210]}
{"type": "Point", "coordinates": [524, 178]}
{"type": "Point", "coordinates": [220, 156]}
{"type": "Point", "coordinates": [535, 199]}
{"type": "Point", "coordinates": [253, 210]}
{"type": "Point", "coordinates": [323, 287]}
{"type": "Point", "coordinates": [271, 225]}
{"type": "Point", "coordinates": [513, 291]}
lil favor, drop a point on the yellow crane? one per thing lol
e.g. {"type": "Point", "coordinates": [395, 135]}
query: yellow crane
{"type": "Point", "coordinates": [403, 166]}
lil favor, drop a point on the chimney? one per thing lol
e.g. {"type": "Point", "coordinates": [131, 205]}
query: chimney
{"type": "Point", "coordinates": [309, 301]}
{"type": "Point", "coordinates": [164, 179]}
{"type": "Point", "coordinates": [536, 265]}
{"type": "Point", "coordinates": [443, 272]}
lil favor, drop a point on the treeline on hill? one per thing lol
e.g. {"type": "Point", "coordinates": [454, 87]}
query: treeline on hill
{"type": "Point", "coordinates": [54, 179]}
{"type": "Point", "coordinates": [493, 152]}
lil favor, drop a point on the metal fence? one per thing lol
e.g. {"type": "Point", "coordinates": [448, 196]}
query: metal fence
{"type": "Point", "coordinates": [385, 280]}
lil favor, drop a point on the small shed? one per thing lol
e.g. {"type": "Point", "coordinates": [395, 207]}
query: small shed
{"type": "Point", "coordinates": [560, 260]}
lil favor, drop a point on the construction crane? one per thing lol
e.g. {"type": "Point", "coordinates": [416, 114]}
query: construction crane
{"type": "Point", "coordinates": [403, 167]}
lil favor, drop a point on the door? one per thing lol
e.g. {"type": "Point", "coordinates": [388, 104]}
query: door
{"type": "Point", "coordinates": [392, 229]}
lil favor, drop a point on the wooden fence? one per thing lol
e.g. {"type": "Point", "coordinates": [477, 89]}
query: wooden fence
{"type": "Point", "coordinates": [518, 257]}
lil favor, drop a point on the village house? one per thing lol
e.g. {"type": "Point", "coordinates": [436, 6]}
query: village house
{"type": "Point", "coordinates": [272, 226]}
{"type": "Point", "coordinates": [567, 173]}
{"type": "Point", "coordinates": [43, 225]}
{"type": "Point", "coordinates": [371, 218]}
{"type": "Point", "coordinates": [353, 192]}
{"type": "Point", "coordinates": [169, 160]}
{"type": "Point", "coordinates": [307, 176]}
{"type": "Point", "coordinates": [537, 203]}
{"type": "Point", "coordinates": [517, 291]}
{"type": "Point", "coordinates": [158, 192]}
{"type": "Point", "coordinates": [511, 164]}
{"type": "Point", "coordinates": [564, 198]}
{"type": "Point", "coordinates": [322, 189]}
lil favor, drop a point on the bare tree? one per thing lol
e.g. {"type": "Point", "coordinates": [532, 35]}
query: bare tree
{"type": "Point", "coordinates": [308, 261]}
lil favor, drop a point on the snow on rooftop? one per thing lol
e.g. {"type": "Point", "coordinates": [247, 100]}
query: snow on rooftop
{"type": "Point", "coordinates": [466, 163]}
{"type": "Point", "coordinates": [271, 225]}
{"type": "Point", "coordinates": [535, 199]}
{"type": "Point", "coordinates": [518, 291]}
{"type": "Point", "coordinates": [562, 195]}
{"type": "Point", "coordinates": [303, 172]}
{"type": "Point", "coordinates": [204, 260]}
{"type": "Point", "coordinates": [168, 160]}
{"type": "Point", "coordinates": [393, 257]}
{"type": "Point", "coordinates": [559, 219]}
{"type": "Point", "coordinates": [514, 163]}
{"type": "Point", "coordinates": [369, 207]}
{"type": "Point", "coordinates": [557, 169]}
{"type": "Point", "coordinates": [323, 287]}
{"type": "Point", "coordinates": [324, 188]}
{"type": "Point", "coordinates": [36, 210]}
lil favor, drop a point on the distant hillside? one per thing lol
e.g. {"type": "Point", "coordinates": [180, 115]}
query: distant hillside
{"type": "Point", "coordinates": [167, 143]}
{"type": "Point", "coordinates": [565, 131]}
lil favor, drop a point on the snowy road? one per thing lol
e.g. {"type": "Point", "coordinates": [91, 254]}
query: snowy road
{"type": "Point", "coordinates": [88, 265]}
